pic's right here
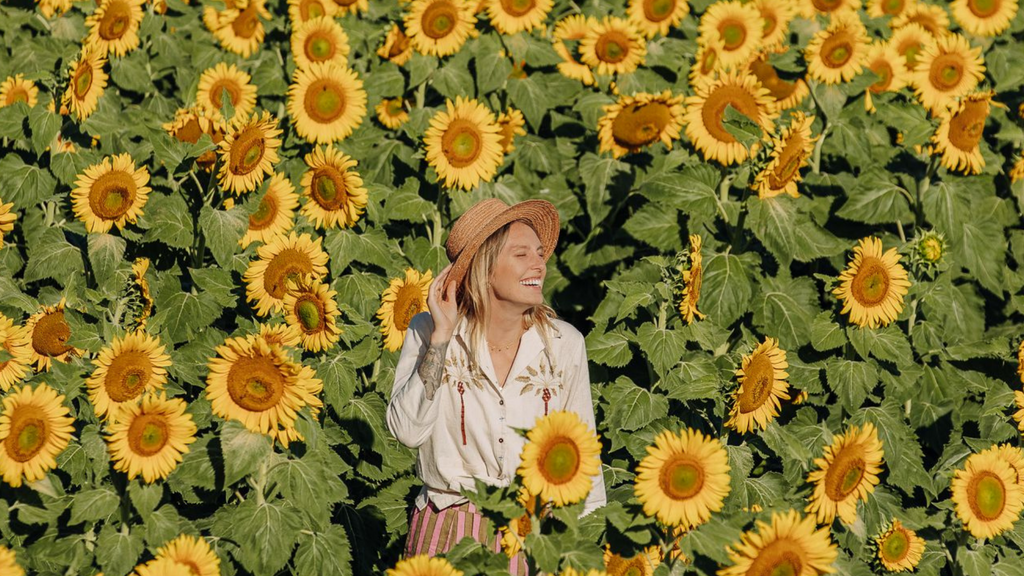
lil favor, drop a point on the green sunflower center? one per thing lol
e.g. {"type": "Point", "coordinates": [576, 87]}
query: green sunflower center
{"type": "Point", "coordinates": [28, 433]}
{"type": "Point", "coordinates": [681, 478]}
{"type": "Point", "coordinates": [83, 80]}
{"type": "Point", "coordinates": [561, 461]}
{"type": "Point", "coordinates": [265, 213]}
{"type": "Point", "coordinates": [988, 495]}
{"type": "Point", "coordinates": [319, 48]}
{"type": "Point", "coordinates": [328, 188]}
{"type": "Point", "coordinates": [845, 472]}
{"type": "Point", "coordinates": [983, 8]}
{"type": "Point", "coordinates": [325, 101]}
{"type": "Point", "coordinates": [148, 434]}
{"type": "Point", "coordinates": [892, 7]}
{"type": "Point", "coordinates": [439, 19]}
{"type": "Point", "coordinates": [246, 151]}
{"type": "Point", "coordinates": [309, 314]}
{"type": "Point", "coordinates": [462, 143]}
{"type": "Point", "coordinates": [517, 8]}
{"type": "Point", "coordinates": [657, 10]}
{"type": "Point", "coordinates": [895, 547]}
{"type": "Point", "coordinates": [734, 34]}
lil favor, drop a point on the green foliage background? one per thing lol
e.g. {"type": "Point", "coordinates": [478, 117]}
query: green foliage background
{"type": "Point", "coordinates": [938, 383]}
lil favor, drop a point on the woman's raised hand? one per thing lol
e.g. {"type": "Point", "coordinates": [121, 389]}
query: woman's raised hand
{"type": "Point", "coordinates": [444, 311]}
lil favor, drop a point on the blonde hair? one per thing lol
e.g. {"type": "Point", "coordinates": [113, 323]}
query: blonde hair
{"type": "Point", "coordinates": [474, 299]}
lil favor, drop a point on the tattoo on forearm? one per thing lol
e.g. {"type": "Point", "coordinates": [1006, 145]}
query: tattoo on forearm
{"type": "Point", "coordinates": [432, 367]}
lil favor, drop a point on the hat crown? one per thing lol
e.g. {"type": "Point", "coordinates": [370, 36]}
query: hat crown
{"type": "Point", "coordinates": [470, 222]}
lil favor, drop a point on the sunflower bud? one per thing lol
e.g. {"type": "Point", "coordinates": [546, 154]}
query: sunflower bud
{"type": "Point", "coordinates": [928, 252]}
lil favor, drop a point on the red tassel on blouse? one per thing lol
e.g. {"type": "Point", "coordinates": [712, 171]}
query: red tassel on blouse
{"type": "Point", "coordinates": [546, 396]}
{"type": "Point", "coordinates": [462, 407]}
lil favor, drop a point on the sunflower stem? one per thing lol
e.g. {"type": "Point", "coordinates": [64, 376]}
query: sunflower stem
{"type": "Point", "coordinates": [817, 146]}
{"type": "Point", "coordinates": [421, 94]}
{"type": "Point", "coordinates": [899, 228]}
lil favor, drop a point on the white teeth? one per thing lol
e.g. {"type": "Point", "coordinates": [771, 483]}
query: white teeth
{"type": "Point", "coordinates": [530, 282]}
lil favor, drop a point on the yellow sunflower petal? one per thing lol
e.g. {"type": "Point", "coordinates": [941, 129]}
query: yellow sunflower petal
{"type": "Point", "coordinates": [511, 123]}
{"type": "Point", "coordinates": [762, 379]}
{"type": "Point", "coordinates": [126, 370]}
{"type": "Point", "coordinates": [249, 154]}
{"type": "Point", "coordinates": [463, 144]}
{"type": "Point", "coordinates": [194, 553]}
{"type": "Point", "coordinates": [397, 47]}
{"type": "Point", "coordinates": [568, 33]}
{"type": "Point", "coordinates": [311, 309]}
{"type": "Point", "coordinates": [612, 46]}
{"type": "Point", "coordinates": [910, 41]}
{"type": "Point", "coordinates": [791, 544]}
{"type": "Point", "coordinates": [86, 83]}
{"type": "Point", "coordinates": [514, 16]}
{"type": "Point", "coordinates": [890, 8]}
{"type": "Point", "coordinates": [320, 40]}
{"type": "Point", "coordinates": [150, 437]}
{"type": "Point", "coordinates": [560, 456]}
{"type": "Point", "coordinates": [635, 122]}
{"type": "Point", "coordinates": [35, 427]}
{"type": "Point", "coordinates": [17, 342]}
{"type": "Point", "coordinates": [300, 11]}
{"type": "Point", "coordinates": [931, 17]}
{"type": "Point", "coordinates": [7, 218]}
{"type": "Point", "coordinates": [112, 193]}
{"type": "Point", "coordinates": [872, 287]}
{"type": "Point", "coordinates": [401, 300]}
{"type": "Point", "coordinates": [654, 17]}
{"type": "Point", "coordinates": [391, 112]}
{"type": "Point", "coordinates": [790, 152]}
{"type": "Point", "coordinates": [48, 334]}
{"type": "Point", "coordinates": [439, 27]}
{"type": "Point", "coordinates": [641, 564]}
{"type": "Point", "coordinates": [693, 278]}
{"type": "Point", "coordinates": [114, 26]}
{"type": "Point", "coordinates": [735, 27]}
{"type": "Point", "coordinates": [984, 17]}
{"type": "Point", "coordinates": [333, 190]}
{"type": "Point", "coordinates": [423, 565]}
{"type": "Point", "coordinates": [189, 125]}
{"type": "Point", "coordinates": [9, 563]}
{"type": "Point", "coordinates": [899, 548]}
{"type": "Point", "coordinates": [267, 277]}
{"type": "Point", "coordinates": [16, 89]}
{"type": "Point", "coordinates": [275, 213]}
{"type": "Point", "coordinates": [242, 31]}
{"type": "Point", "coordinates": [848, 472]}
{"type": "Point", "coordinates": [705, 112]}
{"type": "Point", "coordinates": [326, 102]}
{"type": "Point", "coordinates": [958, 138]}
{"type": "Point", "coordinates": [226, 81]}
{"type": "Point", "coordinates": [946, 70]}
{"type": "Point", "coordinates": [986, 494]}
{"type": "Point", "coordinates": [837, 54]}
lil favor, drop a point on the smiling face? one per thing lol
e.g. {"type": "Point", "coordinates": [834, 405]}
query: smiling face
{"type": "Point", "coordinates": [518, 273]}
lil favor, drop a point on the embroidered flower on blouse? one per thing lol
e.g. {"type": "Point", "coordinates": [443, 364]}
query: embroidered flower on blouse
{"type": "Point", "coordinates": [545, 382]}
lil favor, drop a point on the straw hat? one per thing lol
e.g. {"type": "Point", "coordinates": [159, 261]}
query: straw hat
{"type": "Point", "coordinates": [484, 219]}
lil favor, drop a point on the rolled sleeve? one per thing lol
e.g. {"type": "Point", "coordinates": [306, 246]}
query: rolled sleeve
{"type": "Point", "coordinates": [579, 399]}
{"type": "Point", "coordinates": [411, 415]}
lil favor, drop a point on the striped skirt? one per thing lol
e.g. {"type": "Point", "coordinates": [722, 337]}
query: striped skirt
{"type": "Point", "coordinates": [433, 532]}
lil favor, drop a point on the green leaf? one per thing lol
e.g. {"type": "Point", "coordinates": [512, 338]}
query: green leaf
{"type": "Point", "coordinates": [538, 93]}
{"type": "Point", "coordinates": [162, 525]}
{"type": "Point", "coordinates": [265, 531]}
{"type": "Point", "coordinates": [975, 562]}
{"type": "Point", "coordinates": [52, 256]}
{"type": "Point", "coordinates": [788, 232]}
{"type": "Point", "coordinates": [740, 127]}
{"type": "Point", "coordinates": [243, 450]}
{"type": "Point", "coordinates": [106, 253]}
{"type": "Point", "coordinates": [887, 343]}
{"type": "Point", "coordinates": [453, 79]}
{"type": "Point", "coordinates": [167, 219]}
{"type": "Point", "coordinates": [830, 98]}
{"type": "Point", "coordinates": [664, 347]}
{"type": "Point", "coordinates": [183, 314]}
{"type": "Point", "coordinates": [598, 173]}
{"type": "Point", "coordinates": [825, 334]}
{"type": "Point", "coordinates": [903, 454]}
{"type": "Point", "coordinates": [492, 66]}
{"type": "Point", "coordinates": [851, 380]}
{"type": "Point", "coordinates": [223, 229]}
{"type": "Point", "coordinates": [93, 505]}
{"type": "Point", "coordinates": [632, 407]}
{"type": "Point", "coordinates": [326, 553]}
{"type": "Point", "coordinates": [25, 184]}
{"type": "Point", "coordinates": [117, 551]}
{"type": "Point", "coordinates": [44, 125]}
{"type": "Point", "coordinates": [656, 226]}
{"type": "Point", "coordinates": [876, 200]}
{"type": "Point", "coordinates": [982, 249]}
{"type": "Point", "coordinates": [405, 203]}
{"type": "Point", "coordinates": [727, 288]}
{"type": "Point", "coordinates": [339, 378]}
{"type": "Point", "coordinates": [694, 190]}
{"type": "Point", "coordinates": [786, 309]}
{"type": "Point", "coordinates": [371, 246]}
{"type": "Point", "coordinates": [610, 348]}
{"type": "Point", "coordinates": [12, 121]}
{"type": "Point", "coordinates": [145, 497]}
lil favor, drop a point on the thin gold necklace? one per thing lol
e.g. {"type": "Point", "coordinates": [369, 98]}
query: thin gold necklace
{"type": "Point", "coordinates": [502, 348]}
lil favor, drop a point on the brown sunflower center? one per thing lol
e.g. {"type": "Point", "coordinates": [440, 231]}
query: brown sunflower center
{"type": "Point", "coordinates": [439, 19]}
{"type": "Point", "coordinates": [408, 303]}
{"type": "Point", "coordinates": [883, 69]}
{"type": "Point", "coordinates": [320, 46]}
{"type": "Point", "coordinates": [733, 33]}
{"type": "Point", "coordinates": [289, 264]}
{"type": "Point", "coordinates": [827, 5]}
{"type": "Point", "coordinates": [247, 22]}
{"type": "Point", "coordinates": [518, 8]}
{"type": "Point", "coordinates": [83, 79]}
{"type": "Point", "coordinates": [524, 525]}
{"type": "Point", "coordinates": [896, 546]}
{"type": "Point", "coordinates": [780, 558]}
{"type": "Point", "coordinates": [345, 3]}
{"type": "Point", "coordinates": [946, 72]}
{"type": "Point", "coordinates": [116, 19]}
{"type": "Point", "coordinates": [612, 46]}
{"type": "Point", "coordinates": [658, 10]}
{"type": "Point", "coordinates": [845, 473]}
{"type": "Point", "coordinates": [681, 478]}
{"type": "Point", "coordinates": [51, 334]}
{"type": "Point", "coordinates": [148, 434]}
{"type": "Point", "coordinates": [324, 101]}
{"type": "Point", "coordinates": [871, 284]}
{"type": "Point", "coordinates": [966, 126]}
{"type": "Point", "coordinates": [328, 188]}
{"type": "Point", "coordinates": [190, 131]}
{"type": "Point", "coordinates": [984, 8]}
{"type": "Point", "coordinates": [17, 94]}
{"type": "Point", "coordinates": [707, 63]}
{"type": "Point", "coordinates": [909, 48]}
{"type": "Point", "coordinates": [256, 383]}
{"type": "Point", "coordinates": [560, 461]}
{"type": "Point", "coordinates": [758, 383]}
{"type": "Point", "coordinates": [893, 7]}
{"type": "Point", "coordinates": [769, 78]}
{"type": "Point", "coordinates": [394, 107]}
{"type": "Point", "coordinates": [112, 195]}
{"type": "Point", "coordinates": [311, 9]}
{"type": "Point", "coordinates": [265, 214]}
{"type": "Point", "coordinates": [128, 375]}
{"type": "Point", "coordinates": [693, 284]}
{"type": "Point", "coordinates": [714, 109]}
{"type": "Point", "coordinates": [462, 143]}
{"type": "Point", "coordinates": [29, 431]}
{"type": "Point", "coordinates": [246, 151]}
{"type": "Point", "coordinates": [986, 495]}
{"type": "Point", "coordinates": [640, 124]}
{"type": "Point", "coordinates": [790, 160]}
{"type": "Point", "coordinates": [225, 86]}
{"type": "Point", "coordinates": [837, 49]}
{"type": "Point", "coordinates": [310, 313]}
{"type": "Point", "coordinates": [768, 25]}
{"type": "Point", "coordinates": [400, 45]}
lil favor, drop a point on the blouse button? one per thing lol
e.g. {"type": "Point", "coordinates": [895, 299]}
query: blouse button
{"type": "Point", "coordinates": [501, 440]}
{"type": "Point", "coordinates": [501, 402]}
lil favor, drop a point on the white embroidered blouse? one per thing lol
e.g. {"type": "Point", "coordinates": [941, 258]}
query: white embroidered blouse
{"type": "Point", "coordinates": [466, 429]}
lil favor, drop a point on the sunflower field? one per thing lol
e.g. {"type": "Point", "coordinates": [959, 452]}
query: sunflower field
{"type": "Point", "coordinates": [791, 234]}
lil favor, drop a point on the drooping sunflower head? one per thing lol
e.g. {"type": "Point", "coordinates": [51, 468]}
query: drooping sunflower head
{"type": "Point", "coordinates": [326, 102]}
{"type": "Point", "coordinates": [958, 138]}
{"type": "Point", "coordinates": [17, 342]}
{"type": "Point", "coordinates": [514, 534]}
{"type": "Point", "coordinates": [275, 213]}
{"type": "Point", "coordinates": [300, 11]}
{"type": "Point", "coordinates": [192, 552]}
{"type": "Point", "coordinates": [635, 122]}
{"type": "Point", "coordinates": [785, 94]}
{"type": "Point", "coordinates": [440, 27]}
{"type": "Point", "coordinates": [691, 277]}
{"type": "Point", "coordinates": [310, 308]}
{"type": "Point", "coordinates": [249, 153]}
{"type": "Point", "coordinates": [320, 40]}
{"type": "Point", "coordinates": [762, 378]}
{"type": "Point", "coordinates": [49, 334]}
{"type": "Point", "coordinates": [683, 478]}
{"type": "Point", "coordinates": [511, 123]}
{"type": "Point", "coordinates": [910, 41]}
{"type": "Point", "coordinates": [401, 300]}
{"type": "Point", "coordinates": [463, 144]}
{"type": "Point", "coordinates": [791, 545]}
{"type": "Point", "coordinates": [987, 495]}
{"type": "Point", "coordinates": [559, 458]}
{"type": "Point", "coordinates": [125, 371]}
{"type": "Point", "coordinates": [86, 82]}
{"type": "Point", "coordinates": [423, 565]}
{"type": "Point", "coordinates": [641, 564]}
{"type": "Point", "coordinates": [515, 16]}
{"type": "Point", "coordinates": [837, 54]}
{"type": "Point", "coordinates": [391, 112]}
{"type": "Point", "coordinates": [241, 30]}
{"type": "Point", "coordinates": [283, 258]}
{"type": "Point", "coordinates": [35, 427]}
{"type": "Point", "coordinates": [16, 89]}
{"type": "Point", "coordinates": [397, 47]}
{"type": "Point", "coordinates": [705, 114]}
{"type": "Point", "coordinates": [735, 27]}
{"type": "Point", "coordinates": [612, 46]}
{"type": "Point", "coordinates": [142, 307]}
{"type": "Point", "coordinates": [150, 437]}
{"type": "Point", "coordinates": [114, 26]}
{"type": "Point", "coordinates": [568, 34]}
{"type": "Point", "coordinates": [872, 287]}
{"type": "Point", "coordinates": [946, 70]}
{"type": "Point", "coordinates": [333, 190]}
{"type": "Point", "coordinates": [654, 17]}
{"type": "Point", "coordinates": [790, 152]}
{"type": "Point", "coordinates": [222, 84]}
{"type": "Point", "coordinates": [931, 17]}
{"type": "Point", "coordinates": [848, 472]}
{"type": "Point", "coordinates": [1016, 171]}
{"type": "Point", "coordinates": [189, 125]}
{"type": "Point", "coordinates": [111, 193]}
{"type": "Point", "coordinates": [899, 548]}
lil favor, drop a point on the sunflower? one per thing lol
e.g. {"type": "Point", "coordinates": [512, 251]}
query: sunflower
{"type": "Point", "coordinates": [899, 548]}
{"type": "Point", "coordinates": [987, 496]}
{"type": "Point", "coordinates": [352, 6]}
{"type": "Point", "coordinates": [560, 456]}
{"type": "Point", "coordinates": [873, 285]}
{"type": "Point", "coordinates": [127, 369]}
{"type": "Point", "coordinates": [837, 54]}
{"type": "Point", "coordinates": [889, 66]}
{"type": "Point", "coordinates": [242, 31]}
{"type": "Point", "coordinates": [9, 562]}
{"type": "Point", "coordinates": [49, 333]}
{"type": "Point", "coordinates": [114, 26]}
{"type": "Point", "coordinates": [848, 472]}
{"type": "Point", "coordinates": [642, 564]}
{"type": "Point", "coordinates": [35, 426]}
{"type": "Point", "coordinates": [192, 552]}
{"type": "Point", "coordinates": [249, 154]}
{"type": "Point", "coordinates": [775, 17]}
{"type": "Point", "coordinates": [313, 386]}
{"type": "Point", "coordinates": [87, 79]}
{"type": "Point", "coordinates": [326, 102]}
{"type": "Point", "coordinates": [7, 218]}
{"type": "Point", "coordinates": [254, 382]}
{"type": "Point", "coordinates": [572, 29]}
{"type": "Point", "coordinates": [275, 214]}
{"type": "Point", "coordinates": [16, 342]}
{"type": "Point", "coordinates": [300, 11]}
{"type": "Point", "coordinates": [789, 153]}
{"type": "Point", "coordinates": [932, 18]}
{"type": "Point", "coordinates": [706, 64]}
{"type": "Point", "coordinates": [510, 124]}
{"type": "Point", "coordinates": [635, 122]}
{"type": "Point", "coordinates": [513, 535]}
{"type": "Point", "coordinates": [50, 8]}
{"type": "Point", "coordinates": [320, 40]}
{"type": "Point", "coordinates": [947, 70]}
{"type": "Point", "coordinates": [683, 478]}
{"type": "Point", "coordinates": [17, 89]}
{"type": "Point", "coordinates": [830, 8]}
{"type": "Point", "coordinates": [958, 137]}
{"type": "Point", "coordinates": [1020, 362]}
{"type": "Point", "coordinates": [692, 277]}
{"type": "Point", "coordinates": [515, 16]}
{"type": "Point", "coordinates": [423, 565]}
{"type": "Point", "coordinates": [283, 258]}
{"type": "Point", "coordinates": [654, 17]}
{"type": "Point", "coordinates": [401, 300]}
{"type": "Point", "coordinates": [612, 46]}
{"type": "Point", "coordinates": [910, 41]}
{"type": "Point", "coordinates": [310, 308]}
{"type": "Point", "coordinates": [463, 144]}
{"type": "Point", "coordinates": [226, 80]}
{"type": "Point", "coordinates": [439, 27]}
{"type": "Point", "coordinates": [762, 379]}
{"type": "Point", "coordinates": [139, 283]}
{"type": "Point", "coordinates": [281, 334]}
{"type": "Point", "coordinates": [890, 8]}
{"type": "Point", "coordinates": [790, 545]}
{"type": "Point", "coordinates": [397, 47]}
{"type": "Point", "coordinates": [161, 567]}
{"type": "Point", "coordinates": [1016, 172]}
{"type": "Point", "coordinates": [189, 125]}
{"type": "Point", "coordinates": [391, 112]}
{"type": "Point", "coordinates": [111, 193]}
{"type": "Point", "coordinates": [334, 192]}
{"type": "Point", "coordinates": [734, 26]}
{"type": "Point", "coordinates": [150, 437]}
{"type": "Point", "coordinates": [1013, 456]}
{"type": "Point", "coordinates": [705, 113]}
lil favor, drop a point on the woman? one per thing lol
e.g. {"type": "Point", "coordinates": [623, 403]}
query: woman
{"type": "Point", "coordinates": [490, 356]}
